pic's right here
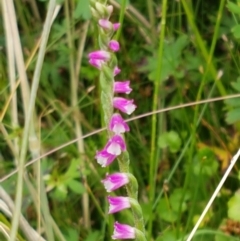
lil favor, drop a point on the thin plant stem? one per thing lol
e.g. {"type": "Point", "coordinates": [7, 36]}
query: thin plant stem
{"type": "Point", "coordinates": [196, 112]}
{"type": "Point", "coordinates": [157, 85]}
{"type": "Point", "coordinates": [151, 16]}
{"type": "Point", "coordinates": [12, 80]}
{"type": "Point", "coordinates": [36, 78]}
{"type": "Point", "coordinates": [78, 127]}
{"type": "Point", "coordinates": [121, 18]}
{"type": "Point", "coordinates": [230, 167]}
{"type": "Point", "coordinates": [85, 196]}
{"type": "Point", "coordinates": [201, 46]}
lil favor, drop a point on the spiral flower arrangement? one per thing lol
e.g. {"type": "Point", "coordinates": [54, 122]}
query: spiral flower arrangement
{"type": "Point", "coordinates": [105, 60]}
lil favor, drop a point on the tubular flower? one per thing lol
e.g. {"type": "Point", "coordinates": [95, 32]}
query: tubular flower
{"type": "Point", "coordinates": [122, 87]}
{"type": "Point", "coordinates": [105, 24]}
{"type": "Point", "coordinates": [116, 71]}
{"type": "Point", "coordinates": [116, 26]}
{"type": "Point", "coordinates": [117, 204]}
{"type": "Point", "coordinates": [104, 158]}
{"type": "Point", "coordinates": [114, 45]}
{"type": "Point", "coordinates": [96, 63]}
{"type": "Point", "coordinates": [123, 231]}
{"type": "Point", "coordinates": [100, 55]}
{"type": "Point", "coordinates": [117, 124]}
{"type": "Point", "coordinates": [124, 105]}
{"type": "Point", "coordinates": [115, 181]}
{"type": "Point", "coordinates": [115, 145]}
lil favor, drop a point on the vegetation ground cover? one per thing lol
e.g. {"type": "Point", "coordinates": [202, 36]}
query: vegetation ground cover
{"type": "Point", "coordinates": [178, 156]}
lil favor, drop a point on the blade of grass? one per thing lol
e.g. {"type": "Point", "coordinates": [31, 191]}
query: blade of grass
{"type": "Point", "coordinates": [155, 105]}
{"type": "Point", "coordinates": [201, 46]}
{"type": "Point", "coordinates": [196, 111]}
{"type": "Point", "coordinates": [29, 114]}
{"type": "Point", "coordinates": [76, 113]}
{"type": "Point", "coordinates": [121, 18]}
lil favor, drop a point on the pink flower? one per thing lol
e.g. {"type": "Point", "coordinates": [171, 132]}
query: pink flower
{"type": "Point", "coordinates": [105, 24]}
{"type": "Point", "coordinates": [96, 63]}
{"type": "Point", "coordinates": [115, 181]}
{"type": "Point", "coordinates": [124, 105]}
{"type": "Point", "coordinates": [100, 55]}
{"type": "Point", "coordinates": [117, 124]}
{"type": "Point", "coordinates": [122, 87]}
{"type": "Point", "coordinates": [116, 71]}
{"type": "Point", "coordinates": [116, 26]}
{"type": "Point", "coordinates": [104, 158]}
{"type": "Point", "coordinates": [123, 231]}
{"type": "Point", "coordinates": [114, 45]}
{"type": "Point", "coordinates": [115, 145]}
{"type": "Point", "coordinates": [117, 204]}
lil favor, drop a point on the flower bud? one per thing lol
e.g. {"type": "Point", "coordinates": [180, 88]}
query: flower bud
{"type": "Point", "coordinates": [113, 45]}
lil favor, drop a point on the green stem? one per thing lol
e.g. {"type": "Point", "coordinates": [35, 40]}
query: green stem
{"type": "Point", "coordinates": [76, 114]}
{"type": "Point", "coordinates": [201, 46]}
{"type": "Point", "coordinates": [151, 16]}
{"type": "Point", "coordinates": [121, 18]}
{"type": "Point", "coordinates": [157, 85]}
{"type": "Point", "coordinates": [36, 78]}
{"type": "Point", "coordinates": [221, 89]}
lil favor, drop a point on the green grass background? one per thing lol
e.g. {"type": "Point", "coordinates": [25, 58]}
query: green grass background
{"type": "Point", "coordinates": [173, 52]}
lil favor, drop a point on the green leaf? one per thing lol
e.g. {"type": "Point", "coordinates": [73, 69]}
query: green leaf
{"type": "Point", "coordinates": [76, 187]}
{"type": "Point", "coordinates": [167, 236]}
{"type": "Point", "coordinates": [72, 171]}
{"type": "Point", "coordinates": [236, 85]}
{"type": "Point", "coordinates": [60, 193]}
{"type": "Point", "coordinates": [205, 163]}
{"type": "Point", "coordinates": [72, 235]}
{"type": "Point", "coordinates": [171, 59]}
{"type": "Point", "coordinates": [177, 197]}
{"type": "Point", "coordinates": [93, 236]}
{"type": "Point", "coordinates": [233, 116]}
{"type": "Point", "coordinates": [236, 31]}
{"type": "Point", "coordinates": [170, 139]}
{"type": "Point", "coordinates": [165, 211]}
{"type": "Point", "coordinates": [234, 207]}
{"type": "Point", "coordinates": [82, 10]}
{"type": "Point", "coordinates": [234, 8]}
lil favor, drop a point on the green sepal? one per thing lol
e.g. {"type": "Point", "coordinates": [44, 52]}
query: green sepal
{"type": "Point", "coordinates": [107, 32]}
{"type": "Point", "coordinates": [103, 40]}
{"type": "Point", "coordinates": [102, 10]}
{"type": "Point", "coordinates": [92, 3]}
{"type": "Point", "coordinates": [106, 78]}
{"type": "Point", "coordinates": [124, 161]}
{"type": "Point", "coordinates": [139, 235]}
{"type": "Point", "coordinates": [106, 100]}
{"type": "Point", "coordinates": [136, 208]}
{"type": "Point", "coordinates": [132, 186]}
{"type": "Point", "coordinates": [113, 62]}
{"type": "Point", "coordinates": [95, 14]}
